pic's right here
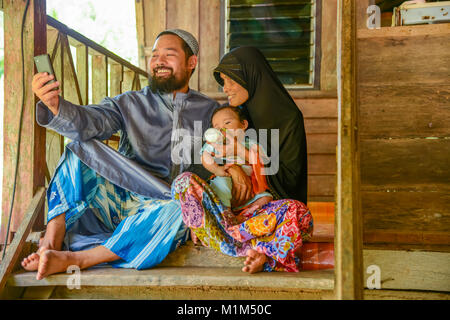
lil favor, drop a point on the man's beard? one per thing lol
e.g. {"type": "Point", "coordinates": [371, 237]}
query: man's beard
{"type": "Point", "coordinates": [168, 84]}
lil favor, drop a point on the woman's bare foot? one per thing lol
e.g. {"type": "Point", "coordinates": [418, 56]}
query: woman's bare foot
{"type": "Point", "coordinates": [53, 261]}
{"type": "Point", "coordinates": [254, 262]}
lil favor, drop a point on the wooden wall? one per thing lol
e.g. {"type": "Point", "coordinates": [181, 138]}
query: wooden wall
{"type": "Point", "coordinates": [319, 107]}
{"type": "Point", "coordinates": [404, 107]}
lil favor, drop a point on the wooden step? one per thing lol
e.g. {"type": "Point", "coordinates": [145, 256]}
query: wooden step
{"type": "Point", "coordinates": [176, 283]}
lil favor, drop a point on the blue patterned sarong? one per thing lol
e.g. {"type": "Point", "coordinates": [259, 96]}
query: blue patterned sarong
{"type": "Point", "coordinates": [143, 231]}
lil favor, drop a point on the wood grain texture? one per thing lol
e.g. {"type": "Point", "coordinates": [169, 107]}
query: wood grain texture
{"type": "Point", "coordinates": [322, 143]}
{"type": "Point", "coordinates": [406, 211]}
{"type": "Point", "coordinates": [209, 41]}
{"type": "Point", "coordinates": [99, 78]}
{"type": "Point", "coordinates": [405, 162]}
{"type": "Point", "coordinates": [185, 15]}
{"type": "Point", "coordinates": [405, 270]}
{"type": "Point", "coordinates": [83, 72]}
{"type": "Point", "coordinates": [115, 81]}
{"type": "Point", "coordinates": [393, 111]}
{"type": "Point", "coordinates": [31, 166]}
{"type": "Point", "coordinates": [348, 220]}
{"type": "Point", "coordinates": [328, 46]}
{"type": "Point", "coordinates": [15, 249]}
{"type": "Point", "coordinates": [404, 59]}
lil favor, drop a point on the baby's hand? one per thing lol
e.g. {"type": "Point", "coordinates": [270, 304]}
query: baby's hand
{"type": "Point", "coordinates": [261, 202]}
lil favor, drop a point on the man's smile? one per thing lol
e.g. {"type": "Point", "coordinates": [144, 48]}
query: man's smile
{"type": "Point", "coordinates": [162, 72]}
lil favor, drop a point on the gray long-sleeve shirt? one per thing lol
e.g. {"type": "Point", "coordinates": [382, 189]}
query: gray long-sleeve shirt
{"type": "Point", "coordinates": [151, 152]}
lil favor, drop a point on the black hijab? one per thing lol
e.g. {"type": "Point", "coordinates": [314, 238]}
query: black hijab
{"type": "Point", "coordinates": [271, 107]}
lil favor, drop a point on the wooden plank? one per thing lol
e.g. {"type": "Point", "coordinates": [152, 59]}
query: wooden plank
{"type": "Point", "coordinates": [184, 277]}
{"type": "Point", "coordinates": [409, 240]}
{"type": "Point", "coordinates": [405, 162]}
{"type": "Point", "coordinates": [83, 72]}
{"type": "Point", "coordinates": [409, 270]}
{"type": "Point", "coordinates": [317, 108]}
{"type": "Point", "coordinates": [321, 163]}
{"type": "Point", "coordinates": [53, 150]}
{"type": "Point", "coordinates": [99, 78]}
{"type": "Point", "coordinates": [348, 224]}
{"type": "Point", "coordinates": [209, 41]}
{"type": "Point", "coordinates": [31, 165]}
{"type": "Point", "coordinates": [20, 236]}
{"type": "Point", "coordinates": [321, 185]}
{"type": "Point", "coordinates": [71, 85]}
{"type": "Point", "coordinates": [320, 125]}
{"type": "Point", "coordinates": [176, 10]}
{"type": "Point", "coordinates": [115, 80]}
{"type": "Point", "coordinates": [328, 46]}
{"type": "Point", "coordinates": [322, 143]}
{"type": "Point", "coordinates": [401, 60]}
{"type": "Point", "coordinates": [407, 211]}
{"type": "Point", "coordinates": [155, 21]}
{"type": "Point", "coordinates": [140, 31]}
{"type": "Point", "coordinates": [128, 78]}
{"type": "Point", "coordinates": [404, 295]}
{"type": "Point", "coordinates": [361, 13]}
{"type": "Point", "coordinates": [392, 111]}
{"type": "Point", "coordinates": [40, 293]}
{"type": "Point", "coordinates": [52, 38]}
{"type": "Point", "coordinates": [405, 31]}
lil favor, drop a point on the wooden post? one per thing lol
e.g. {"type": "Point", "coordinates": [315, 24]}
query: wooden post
{"type": "Point", "coordinates": [348, 228]}
{"type": "Point", "coordinates": [31, 169]}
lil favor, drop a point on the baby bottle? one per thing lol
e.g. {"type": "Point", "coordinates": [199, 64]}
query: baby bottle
{"type": "Point", "coordinates": [213, 135]}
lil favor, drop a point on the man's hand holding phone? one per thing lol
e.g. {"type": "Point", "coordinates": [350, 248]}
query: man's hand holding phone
{"type": "Point", "coordinates": [47, 92]}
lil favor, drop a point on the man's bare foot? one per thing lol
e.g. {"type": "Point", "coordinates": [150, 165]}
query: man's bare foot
{"type": "Point", "coordinates": [254, 262]}
{"type": "Point", "coordinates": [31, 262]}
{"type": "Point", "coordinates": [53, 261]}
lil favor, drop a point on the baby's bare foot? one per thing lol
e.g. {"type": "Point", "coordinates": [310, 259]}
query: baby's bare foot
{"type": "Point", "coordinates": [254, 262]}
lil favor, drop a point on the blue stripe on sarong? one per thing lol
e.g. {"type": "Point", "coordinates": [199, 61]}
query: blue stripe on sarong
{"type": "Point", "coordinates": [144, 230]}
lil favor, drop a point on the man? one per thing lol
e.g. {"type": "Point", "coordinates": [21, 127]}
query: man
{"type": "Point", "coordinates": [126, 194]}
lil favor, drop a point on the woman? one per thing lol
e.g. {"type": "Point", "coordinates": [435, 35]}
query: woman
{"type": "Point", "coordinates": [270, 236]}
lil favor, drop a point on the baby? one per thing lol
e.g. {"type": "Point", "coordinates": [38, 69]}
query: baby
{"type": "Point", "coordinates": [247, 152]}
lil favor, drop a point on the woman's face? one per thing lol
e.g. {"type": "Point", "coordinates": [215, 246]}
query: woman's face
{"type": "Point", "coordinates": [237, 94]}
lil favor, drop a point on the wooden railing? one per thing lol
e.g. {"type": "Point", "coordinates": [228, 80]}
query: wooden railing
{"type": "Point", "coordinates": [12, 253]}
{"type": "Point", "coordinates": [87, 72]}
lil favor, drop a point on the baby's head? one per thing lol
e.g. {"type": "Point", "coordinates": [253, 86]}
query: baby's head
{"type": "Point", "coordinates": [229, 118]}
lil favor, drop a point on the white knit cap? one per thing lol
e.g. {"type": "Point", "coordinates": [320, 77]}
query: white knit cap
{"type": "Point", "coordinates": [186, 36]}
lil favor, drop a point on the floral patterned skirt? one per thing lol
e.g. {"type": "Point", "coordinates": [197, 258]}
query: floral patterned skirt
{"type": "Point", "coordinates": [277, 230]}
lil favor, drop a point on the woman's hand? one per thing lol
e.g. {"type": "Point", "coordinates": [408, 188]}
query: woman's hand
{"type": "Point", "coordinates": [242, 190]}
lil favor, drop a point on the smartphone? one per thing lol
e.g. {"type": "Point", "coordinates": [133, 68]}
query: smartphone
{"type": "Point", "coordinates": [44, 64]}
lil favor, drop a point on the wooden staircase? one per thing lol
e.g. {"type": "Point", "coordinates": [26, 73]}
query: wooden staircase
{"type": "Point", "coordinates": [191, 272]}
